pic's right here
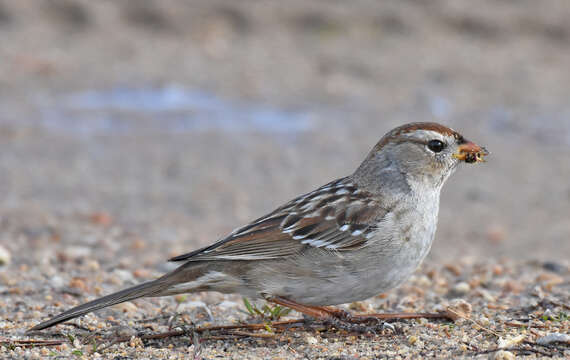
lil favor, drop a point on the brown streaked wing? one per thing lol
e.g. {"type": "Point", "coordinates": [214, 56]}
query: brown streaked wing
{"type": "Point", "coordinates": [346, 224]}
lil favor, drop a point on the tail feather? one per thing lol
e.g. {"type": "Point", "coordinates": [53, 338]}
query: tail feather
{"type": "Point", "coordinates": [151, 288]}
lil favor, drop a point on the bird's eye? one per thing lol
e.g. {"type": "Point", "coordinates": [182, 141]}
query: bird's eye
{"type": "Point", "coordinates": [436, 145]}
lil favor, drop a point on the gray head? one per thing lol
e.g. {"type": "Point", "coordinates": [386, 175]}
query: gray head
{"type": "Point", "coordinates": [417, 155]}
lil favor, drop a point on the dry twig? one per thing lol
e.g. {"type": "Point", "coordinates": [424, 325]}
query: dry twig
{"type": "Point", "coordinates": [30, 343]}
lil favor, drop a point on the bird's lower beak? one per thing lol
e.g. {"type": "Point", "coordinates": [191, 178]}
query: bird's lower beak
{"type": "Point", "coordinates": [470, 152]}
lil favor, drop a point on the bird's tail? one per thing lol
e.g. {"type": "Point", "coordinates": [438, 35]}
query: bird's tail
{"type": "Point", "coordinates": [151, 288]}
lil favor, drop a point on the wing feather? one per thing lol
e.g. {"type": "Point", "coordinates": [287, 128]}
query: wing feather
{"type": "Point", "coordinates": [336, 217]}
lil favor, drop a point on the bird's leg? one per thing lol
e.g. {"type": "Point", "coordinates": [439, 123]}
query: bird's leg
{"type": "Point", "coordinates": [317, 312]}
{"type": "Point", "coordinates": [354, 322]}
{"type": "Point", "coordinates": [331, 316]}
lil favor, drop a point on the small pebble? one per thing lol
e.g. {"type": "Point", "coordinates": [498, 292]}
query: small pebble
{"type": "Point", "coordinates": [498, 270]}
{"type": "Point", "coordinates": [93, 265]}
{"type": "Point", "coordinates": [454, 269]}
{"type": "Point", "coordinates": [483, 320]}
{"type": "Point", "coordinates": [424, 281]}
{"type": "Point", "coordinates": [555, 267]}
{"type": "Point", "coordinates": [78, 283]}
{"type": "Point", "coordinates": [503, 355]}
{"type": "Point", "coordinates": [77, 252]}
{"type": "Point", "coordinates": [141, 273]}
{"type": "Point", "coordinates": [510, 341]}
{"type": "Point", "coordinates": [101, 218]}
{"type": "Point", "coordinates": [5, 257]}
{"type": "Point", "coordinates": [550, 280]}
{"type": "Point", "coordinates": [459, 308]}
{"type": "Point", "coordinates": [548, 314]}
{"type": "Point", "coordinates": [56, 281]}
{"type": "Point", "coordinates": [122, 276]}
{"type": "Point", "coordinates": [311, 340]}
{"type": "Point", "coordinates": [461, 288]}
{"type": "Point", "coordinates": [554, 338]}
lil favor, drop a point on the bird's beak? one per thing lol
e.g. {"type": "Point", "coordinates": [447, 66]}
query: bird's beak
{"type": "Point", "coordinates": [470, 152]}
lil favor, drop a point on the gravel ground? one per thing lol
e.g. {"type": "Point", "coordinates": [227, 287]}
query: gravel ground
{"type": "Point", "coordinates": [135, 131]}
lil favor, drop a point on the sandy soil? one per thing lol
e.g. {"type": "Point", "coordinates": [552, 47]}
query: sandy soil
{"type": "Point", "coordinates": [134, 131]}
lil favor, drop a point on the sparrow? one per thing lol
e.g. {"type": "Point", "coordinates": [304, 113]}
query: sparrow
{"type": "Point", "coordinates": [346, 241]}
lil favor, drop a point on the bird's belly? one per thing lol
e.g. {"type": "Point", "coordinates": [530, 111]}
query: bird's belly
{"type": "Point", "coordinates": [344, 278]}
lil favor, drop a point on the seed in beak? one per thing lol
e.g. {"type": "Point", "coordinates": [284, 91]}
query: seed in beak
{"type": "Point", "coordinates": [471, 153]}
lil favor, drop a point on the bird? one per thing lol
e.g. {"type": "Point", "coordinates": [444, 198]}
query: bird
{"type": "Point", "coordinates": [348, 240]}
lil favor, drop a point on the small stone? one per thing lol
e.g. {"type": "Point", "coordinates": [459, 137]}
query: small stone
{"type": "Point", "coordinates": [461, 288]}
{"type": "Point", "coordinates": [101, 218]}
{"type": "Point", "coordinates": [141, 273]}
{"type": "Point", "coordinates": [554, 267]}
{"type": "Point", "coordinates": [459, 308]}
{"type": "Point", "coordinates": [56, 282]}
{"type": "Point", "coordinates": [78, 283]}
{"type": "Point", "coordinates": [554, 338]}
{"type": "Point", "coordinates": [510, 341]}
{"type": "Point", "coordinates": [77, 252]}
{"type": "Point", "coordinates": [550, 280]}
{"type": "Point", "coordinates": [424, 281]}
{"type": "Point", "coordinates": [93, 265]}
{"type": "Point", "coordinates": [311, 340]}
{"type": "Point", "coordinates": [453, 268]}
{"type": "Point", "coordinates": [498, 270]}
{"type": "Point", "coordinates": [503, 355]}
{"type": "Point", "coordinates": [360, 306]}
{"type": "Point", "coordinates": [547, 314]}
{"type": "Point", "coordinates": [120, 275]}
{"type": "Point", "coordinates": [5, 257]}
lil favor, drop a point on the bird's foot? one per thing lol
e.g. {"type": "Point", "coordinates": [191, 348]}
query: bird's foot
{"type": "Point", "coordinates": [338, 318]}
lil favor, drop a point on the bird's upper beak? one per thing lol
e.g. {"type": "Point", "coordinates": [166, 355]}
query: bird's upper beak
{"type": "Point", "coordinates": [470, 152]}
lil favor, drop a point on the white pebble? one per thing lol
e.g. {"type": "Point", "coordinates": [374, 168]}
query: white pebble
{"type": "Point", "coordinates": [56, 282]}
{"type": "Point", "coordinates": [311, 340]}
{"type": "Point", "coordinates": [461, 288]}
{"type": "Point", "coordinates": [5, 256]}
{"type": "Point", "coordinates": [554, 338]}
{"type": "Point", "coordinates": [504, 355]}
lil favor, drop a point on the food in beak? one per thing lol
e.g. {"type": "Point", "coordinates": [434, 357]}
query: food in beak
{"type": "Point", "coordinates": [471, 152]}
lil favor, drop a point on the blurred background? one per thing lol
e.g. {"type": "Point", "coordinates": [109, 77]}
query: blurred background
{"type": "Point", "coordinates": [131, 131]}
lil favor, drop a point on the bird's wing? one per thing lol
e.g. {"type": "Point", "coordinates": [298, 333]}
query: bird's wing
{"type": "Point", "coordinates": [336, 217]}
